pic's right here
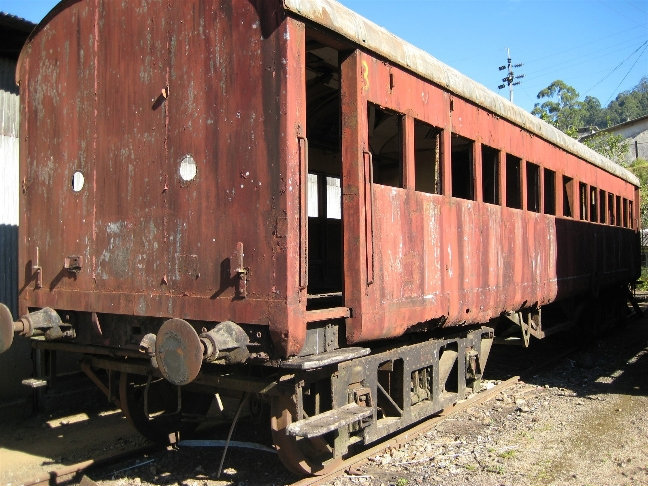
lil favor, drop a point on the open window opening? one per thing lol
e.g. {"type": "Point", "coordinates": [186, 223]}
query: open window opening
{"type": "Point", "coordinates": [324, 192]}
{"type": "Point", "coordinates": [568, 197]}
{"type": "Point", "coordinates": [549, 192]}
{"type": "Point", "coordinates": [630, 215]}
{"type": "Point", "coordinates": [513, 182]}
{"type": "Point", "coordinates": [611, 213]}
{"type": "Point", "coordinates": [462, 167]}
{"type": "Point", "coordinates": [582, 198]}
{"type": "Point", "coordinates": [602, 206]}
{"type": "Point", "coordinates": [625, 212]}
{"type": "Point", "coordinates": [619, 218]}
{"type": "Point", "coordinates": [533, 187]}
{"type": "Point", "coordinates": [386, 145]}
{"type": "Point", "coordinates": [427, 157]}
{"type": "Point", "coordinates": [593, 204]}
{"type": "Point", "coordinates": [490, 174]}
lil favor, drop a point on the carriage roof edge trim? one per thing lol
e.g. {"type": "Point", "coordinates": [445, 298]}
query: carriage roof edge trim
{"type": "Point", "coordinates": [336, 17]}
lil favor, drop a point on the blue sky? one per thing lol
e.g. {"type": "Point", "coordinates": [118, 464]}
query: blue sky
{"type": "Point", "coordinates": [598, 46]}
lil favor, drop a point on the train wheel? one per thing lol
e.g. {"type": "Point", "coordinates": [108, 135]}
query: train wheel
{"type": "Point", "coordinates": [156, 416]}
{"type": "Point", "coordinates": [300, 455]}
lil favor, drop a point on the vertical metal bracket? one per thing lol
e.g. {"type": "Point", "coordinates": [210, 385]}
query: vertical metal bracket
{"type": "Point", "coordinates": [241, 272]}
{"type": "Point", "coordinates": [37, 270]}
{"type": "Point", "coordinates": [303, 212]}
{"type": "Point", "coordinates": [369, 206]}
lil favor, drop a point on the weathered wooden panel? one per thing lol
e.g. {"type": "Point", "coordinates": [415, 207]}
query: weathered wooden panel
{"type": "Point", "coordinates": [183, 120]}
{"type": "Point", "coordinates": [427, 257]}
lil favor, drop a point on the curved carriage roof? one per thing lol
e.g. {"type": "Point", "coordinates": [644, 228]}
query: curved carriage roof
{"type": "Point", "coordinates": [338, 18]}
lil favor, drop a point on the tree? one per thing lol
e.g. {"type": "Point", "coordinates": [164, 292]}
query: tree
{"type": "Point", "coordinates": [565, 111]}
{"type": "Point", "coordinates": [610, 145]}
{"type": "Point", "coordinates": [593, 113]}
{"type": "Point", "coordinates": [640, 168]}
{"type": "Point", "coordinates": [562, 108]}
{"type": "Point", "coordinates": [630, 104]}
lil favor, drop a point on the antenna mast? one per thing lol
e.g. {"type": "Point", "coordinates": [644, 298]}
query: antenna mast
{"type": "Point", "coordinates": [510, 79]}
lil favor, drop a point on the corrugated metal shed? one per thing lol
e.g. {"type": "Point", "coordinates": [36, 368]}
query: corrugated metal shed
{"type": "Point", "coordinates": [9, 105]}
{"type": "Point", "coordinates": [16, 363]}
{"type": "Point", "coordinates": [13, 33]}
{"type": "Point", "coordinates": [9, 179]}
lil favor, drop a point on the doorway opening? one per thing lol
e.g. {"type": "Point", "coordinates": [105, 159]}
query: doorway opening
{"type": "Point", "coordinates": [324, 190]}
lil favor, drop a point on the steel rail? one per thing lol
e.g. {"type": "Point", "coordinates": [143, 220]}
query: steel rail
{"type": "Point", "coordinates": [74, 471]}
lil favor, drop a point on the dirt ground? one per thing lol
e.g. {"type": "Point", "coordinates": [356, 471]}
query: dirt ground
{"type": "Point", "coordinates": [31, 447]}
{"type": "Point", "coordinates": [581, 422]}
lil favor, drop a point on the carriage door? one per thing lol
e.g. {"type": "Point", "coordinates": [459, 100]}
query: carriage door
{"type": "Point", "coordinates": [390, 164]}
{"type": "Point", "coordinates": [325, 275]}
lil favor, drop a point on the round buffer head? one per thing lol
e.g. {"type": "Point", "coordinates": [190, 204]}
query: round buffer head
{"type": "Point", "coordinates": [6, 328]}
{"type": "Point", "coordinates": [178, 351]}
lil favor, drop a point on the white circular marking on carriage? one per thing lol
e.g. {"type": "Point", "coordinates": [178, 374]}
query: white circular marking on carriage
{"type": "Point", "coordinates": [78, 181]}
{"type": "Point", "coordinates": [188, 169]}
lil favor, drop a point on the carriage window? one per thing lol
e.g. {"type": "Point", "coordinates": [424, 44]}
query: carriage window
{"type": "Point", "coordinates": [593, 204]}
{"type": "Point", "coordinates": [386, 146]}
{"type": "Point", "coordinates": [324, 197]}
{"type": "Point", "coordinates": [427, 157]}
{"type": "Point", "coordinates": [630, 215]}
{"type": "Point", "coordinates": [513, 183]}
{"type": "Point", "coordinates": [333, 198]}
{"type": "Point", "coordinates": [611, 218]}
{"type": "Point", "coordinates": [602, 209]}
{"type": "Point", "coordinates": [533, 187]}
{"type": "Point", "coordinates": [462, 167]}
{"type": "Point", "coordinates": [619, 221]}
{"type": "Point", "coordinates": [549, 191]}
{"type": "Point", "coordinates": [625, 212]}
{"type": "Point", "coordinates": [312, 196]}
{"type": "Point", "coordinates": [568, 196]}
{"type": "Point", "coordinates": [490, 174]}
{"type": "Point", "coordinates": [582, 199]}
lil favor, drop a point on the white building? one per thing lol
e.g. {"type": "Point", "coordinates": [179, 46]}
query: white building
{"type": "Point", "coordinates": [635, 132]}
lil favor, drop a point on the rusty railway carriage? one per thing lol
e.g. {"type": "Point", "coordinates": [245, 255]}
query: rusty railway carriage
{"type": "Point", "coordinates": [281, 200]}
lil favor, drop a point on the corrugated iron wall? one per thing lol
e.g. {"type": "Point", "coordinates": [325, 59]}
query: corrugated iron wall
{"type": "Point", "coordinates": [15, 363]}
{"type": "Point", "coordinates": [9, 106]}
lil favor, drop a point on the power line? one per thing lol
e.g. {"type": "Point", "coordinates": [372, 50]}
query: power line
{"type": "Point", "coordinates": [558, 65]}
{"type": "Point", "coordinates": [602, 40]}
{"type": "Point", "coordinates": [618, 66]}
{"type": "Point", "coordinates": [639, 9]}
{"type": "Point", "coordinates": [629, 70]}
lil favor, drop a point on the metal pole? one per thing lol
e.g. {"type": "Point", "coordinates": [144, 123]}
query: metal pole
{"type": "Point", "coordinates": [510, 73]}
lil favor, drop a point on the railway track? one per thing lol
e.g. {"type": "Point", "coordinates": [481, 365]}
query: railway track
{"type": "Point", "coordinates": [107, 466]}
{"type": "Point", "coordinates": [74, 473]}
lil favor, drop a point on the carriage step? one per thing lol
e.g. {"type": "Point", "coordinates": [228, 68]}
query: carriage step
{"type": "Point", "coordinates": [322, 423]}
{"type": "Point", "coordinates": [325, 359]}
{"type": "Point", "coordinates": [34, 383]}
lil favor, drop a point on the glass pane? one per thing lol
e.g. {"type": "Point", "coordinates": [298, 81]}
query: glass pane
{"type": "Point", "coordinates": [311, 193]}
{"type": "Point", "coordinates": [333, 198]}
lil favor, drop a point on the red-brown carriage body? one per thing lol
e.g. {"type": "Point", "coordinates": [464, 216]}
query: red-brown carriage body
{"type": "Point", "coordinates": [293, 168]}
{"type": "Point", "coordinates": [128, 95]}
